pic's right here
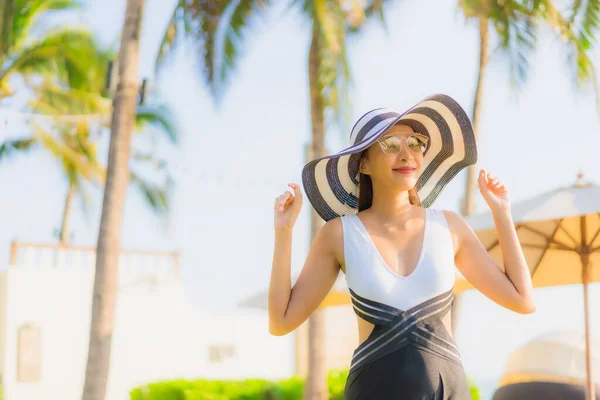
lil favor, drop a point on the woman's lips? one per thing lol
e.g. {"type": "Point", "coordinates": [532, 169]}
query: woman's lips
{"type": "Point", "coordinates": [405, 170]}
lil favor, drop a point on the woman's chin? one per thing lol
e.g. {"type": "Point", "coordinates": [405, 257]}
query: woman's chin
{"type": "Point", "coordinates": [405, 182]}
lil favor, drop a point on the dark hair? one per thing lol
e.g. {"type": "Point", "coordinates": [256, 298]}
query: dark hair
{"type": "Point", "coordinates": [365, 191]}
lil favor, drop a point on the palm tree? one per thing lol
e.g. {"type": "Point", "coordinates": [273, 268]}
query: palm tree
{"type": "Point", "coordinates": [73, 145]}
{"type": "Point", "coordinates": [117, 177]}
{"type": "Point", "coordinates": [329, 79]}
{"type": "Point", "coordinates": [577, 31]}
{"type": "Point", "coordinates": [516, 24]}
{"type": "Point", "coordinates": [28, 50]}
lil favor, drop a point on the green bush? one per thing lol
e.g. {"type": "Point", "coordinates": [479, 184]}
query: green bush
{"type": "Point", "coordinates": [475, 395]}
{"type": "Point", "coordinates": [249, 389]}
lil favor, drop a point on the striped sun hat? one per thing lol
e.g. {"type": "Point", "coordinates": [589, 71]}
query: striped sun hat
{"type": "Point", "coordinates": [331, 182]}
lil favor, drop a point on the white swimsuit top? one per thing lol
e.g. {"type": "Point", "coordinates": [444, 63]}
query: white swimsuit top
{"type": "Point", "coordinates": [368, 275]}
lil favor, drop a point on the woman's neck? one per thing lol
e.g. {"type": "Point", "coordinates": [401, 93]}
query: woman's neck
{"type": "Point", "coordinates": [390, 204]}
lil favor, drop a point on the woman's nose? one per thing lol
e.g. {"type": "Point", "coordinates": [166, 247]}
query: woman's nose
{"type": "Point", "coordinates": [404, 153]}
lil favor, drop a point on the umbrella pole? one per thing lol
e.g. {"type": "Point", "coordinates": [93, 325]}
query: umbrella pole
{"type": "Point", "coordinates": [590, 395]}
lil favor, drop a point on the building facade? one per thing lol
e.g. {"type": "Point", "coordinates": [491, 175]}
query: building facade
{"type": "Point", "coordinates": [45, 312]}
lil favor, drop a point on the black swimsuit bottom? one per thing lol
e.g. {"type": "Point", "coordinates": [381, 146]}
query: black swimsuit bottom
{"type": "Point", "coordinates": [408, 355]}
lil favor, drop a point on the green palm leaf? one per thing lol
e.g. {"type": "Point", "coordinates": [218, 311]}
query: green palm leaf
{"type": "Point", "coordinates": [172, 34]}
{"type": "Point", "coordinates": [72, 53]}
{"type": "Point", "coordinates": [71, 157]}
{"type": "Point", "coordinates": [160, 117]}
{"type": "Point", "coordinates": [243, 17]}
{"type": "Point", "coordinates": [10, 147]}
{"type": "Point", "coordinates": [52, 99]}
{"type": "Point", "coordinates": [200, 21]}
{"type": "Point", "coordinates": [157, 197]}
{"type": "Point", "coordinates": [519, 43]}
{"type": "Point", "coordinates": [31, 12]}
{"type": "Point", "coordinates": [577, 44]}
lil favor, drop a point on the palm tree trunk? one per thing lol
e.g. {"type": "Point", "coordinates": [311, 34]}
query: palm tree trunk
{"type": "Point", "coordinates": [109, 236]}
{"type": "Point", "coordinates": [471, 186]}
{"type": "Point", "coordinates": [316, 382]}
{"type": "Point", "coordinates": [66, 219]}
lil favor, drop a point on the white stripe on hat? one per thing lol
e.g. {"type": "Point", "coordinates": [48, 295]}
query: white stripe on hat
{"type": "Point", "coordinates": [458, 147]}
{"type": "Point", "coordinates": [324, 188]}
{"type": "Point", "coordinates": [378, 127]}
{"type": "Point", "coordinates": [367, 118]}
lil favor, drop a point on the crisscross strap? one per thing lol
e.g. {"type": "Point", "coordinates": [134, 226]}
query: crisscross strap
{"type": "Point", "coordinates": [421, 325]}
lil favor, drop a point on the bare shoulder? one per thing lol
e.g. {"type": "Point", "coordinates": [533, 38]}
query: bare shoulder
{"type": "Point", "coordinates": [459, 229]}
{"type": "Point", "coordinates": [331, 236]}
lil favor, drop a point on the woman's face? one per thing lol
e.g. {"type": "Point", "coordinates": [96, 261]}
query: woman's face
{"type": "Point", "coordinates": [390, 167]}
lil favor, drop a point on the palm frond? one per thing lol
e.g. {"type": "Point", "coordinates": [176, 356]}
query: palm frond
{"type": "Point", "coordinates": [577, 47]}
{"type": "Point", "coordinates": [71, 53]}
{"type": "Point", "coordinates": [200, 20]}
{"type": "Point", "coordinates": [519, 42]}
{"type": "Point", "coordinates": [156, 197]}
{"type": "Point", "coordinates": [160, 117]}
{"type": "Point", "coordinates": [10, 147]}
{"type": "Point", "coordinates": [85, 197]}
{"type": "Point", "coordinates": [53, 99]}
{"type": "Point", "coordinates": [151, 160]}
{"type": "Point", "coordinates": [69, 156]}
{"type": "Point", "coordinates": [30, 12]}
{"type": "Point", "coordinates": [81, 140]}
{"type": "Point", "coordinates": [243, 17]}
{"type": "Point", "coordinates": [173, 34]}
{"type": "Point", "coordinates": [589, 23]}
{"type": "Point", "coordinates": [372, 10]}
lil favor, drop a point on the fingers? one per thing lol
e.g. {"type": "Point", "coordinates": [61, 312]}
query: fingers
{"type": "Point", "coordinates": [489, 180]}
{"type": "Point", "coordinates": [482, 176]}
{"type": "Point", "coordinates": [297, 191]}
{"type": "Point", "coordinates": [287, 198]}
{"type": "Point", "coordinates": [281, 202]}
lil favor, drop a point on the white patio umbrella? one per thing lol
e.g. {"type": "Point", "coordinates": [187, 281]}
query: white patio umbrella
{"type": "Point", "coordinates": [559, 232]}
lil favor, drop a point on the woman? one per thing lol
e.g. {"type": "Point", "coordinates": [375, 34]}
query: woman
{"type": "Point", "coordinates": [398, 254]}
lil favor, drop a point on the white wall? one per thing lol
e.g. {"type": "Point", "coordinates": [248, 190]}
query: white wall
{"type": "Point", "coordinates": [2, 322]}
{"type": "Point", "coordinates": [157, 336]}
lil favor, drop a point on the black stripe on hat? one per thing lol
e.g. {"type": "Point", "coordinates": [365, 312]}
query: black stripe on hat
{"type": "Point", "coordinates": [446, 141]}
{"type": "Point", "coordinates": [354, 167]}
{"type": "Point", "coordinates": [372, 123]}
{"type": "Point", "coordinates": [470, 147]}
{"type": "Point", "coordinates": [333, 180]}
{"type": "Point", "coordinates": [314, 194]}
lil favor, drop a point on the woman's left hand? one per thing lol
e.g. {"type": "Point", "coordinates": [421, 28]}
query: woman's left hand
{"type": "Point", "coordinates": [493, 191]}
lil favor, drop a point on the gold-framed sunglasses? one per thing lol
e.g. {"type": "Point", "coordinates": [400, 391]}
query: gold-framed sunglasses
{"type": "Point", "coordinates": [392, 145]}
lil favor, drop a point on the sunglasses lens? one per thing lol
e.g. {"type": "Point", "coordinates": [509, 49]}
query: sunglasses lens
{"type": "Point", "coordinates": [392, 145]}
{"type": "Point", "coordinates": [417, 143]}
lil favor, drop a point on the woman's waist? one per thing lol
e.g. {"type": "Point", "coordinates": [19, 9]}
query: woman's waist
{"type": "Point", "coordinates": [365, 328]}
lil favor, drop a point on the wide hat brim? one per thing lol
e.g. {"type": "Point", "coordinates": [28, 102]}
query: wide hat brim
{"type": "Point", "coordinates": [331, 182]}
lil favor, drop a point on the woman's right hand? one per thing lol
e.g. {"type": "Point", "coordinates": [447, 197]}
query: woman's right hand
{"type": "Point", "coordinates": [287, 207]}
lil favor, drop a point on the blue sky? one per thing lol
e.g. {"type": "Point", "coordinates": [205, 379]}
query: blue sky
{"type": "Point", "coordinates": [234, 159]}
